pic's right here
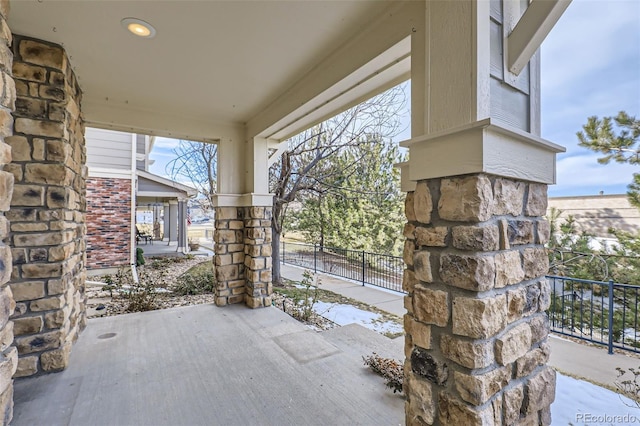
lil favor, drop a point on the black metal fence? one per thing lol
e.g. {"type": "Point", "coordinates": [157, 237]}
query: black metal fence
{"type": "Point", "coordinates": [601, 312]}
{"type": "Point", "coordinates": [367, 268]}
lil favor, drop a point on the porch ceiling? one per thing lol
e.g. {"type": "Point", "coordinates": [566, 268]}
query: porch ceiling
{"type": "Point", "coordinates": [213, 65]}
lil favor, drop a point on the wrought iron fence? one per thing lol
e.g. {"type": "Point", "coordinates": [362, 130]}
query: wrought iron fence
{"type": "Point", "coordinates": [381, 270]}
{"type": "Point", "coordinates": [601, 312]}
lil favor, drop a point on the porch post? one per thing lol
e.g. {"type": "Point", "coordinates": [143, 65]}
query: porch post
{"type": "Point", "coordinates": [166, 222]}
{"type": "Point", "coordinates": [475, 330]}
{"type": "Point", "coordinates": [182, 226]}
{"type": "Point", "coordinates": [243, 226]}
{"type": "Point", "coordinates": [173, 222]}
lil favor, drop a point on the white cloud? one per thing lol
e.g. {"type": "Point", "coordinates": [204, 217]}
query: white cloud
{"type": "Point", "coordinates": [165, 143]}
{"type": "Point", "coordinates": [584, 173]}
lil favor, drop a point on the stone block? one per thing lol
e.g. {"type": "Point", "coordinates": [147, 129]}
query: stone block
{"type": "Point", "coordinates": [420, 333]}
{"type": "Point", "coordinates": [57, 359]}
{"type": "Point", "coordinates": [31, 107]}
{"type": "Point", "coordinates": [431, 306]}
{"type": "Point", "coordinates": [222, 259]}
{"type": "Point", "coordinates": [6, 336]}
{"type": "Point", "coordinates": [508, 197]}
{"type": "Point", "coordinates": [41, 270]}
{"type": "Point", "coordinates": [227, 273]}
{"type": "Point", "coordinates": [513, 344]}
{"type": "Point", "coordinates": [6, 190]}
{"type": "Point", "coordinates": [39, 53]}
{"type": "Point", "coordinates": [540, 391]}
{"type": "Point", "coordinates": [407, 252]}
{"type": "Point", "coordinates": [509, 269]}
{"type": "Point", "coordinates": [50, 174]}
{"type": "Point", "coordinates": [544, 302]}
{"type": "Point", "coordinates": [38, 149]}
{"type": "Point", "coordinates": [39, 342]}
{"type": "Point", "coordinates": [409, 280]}
{"type": "Point", "coordinates": [536, 262]}
{"type": "Point", "coordinates": [526, 364]}
{"type": "Point", "coordinates": [432, 237]}
{"type": "Point", "coordinates": [408, 304]}
{"type": "Point", "coordinates": [467, 199]}
{"type": "Point", "coordinates": [7, 305]}
{"type": "Point", "coordinates": [408, 207]}
{"type": "Point", "coordinates": [468, 353]}
{"type": "Point", "coordinates": [15, 170]}
{"type": "Point", "coordinates": [424, 365]}
{"type": "Point", "coordinates": [57, 150]}
{"type": "Point", "coordinates": [453, 412]}
{"type": "Point", "coordinates": [476, 273]}
{"type": "Point", "coordinates": [6, 129]}
{"type": "Point", "coordinates": [27, 366]}
{"type": "Point", "coordinates": [54, 320]}
{"type": "Point", "coordinates": [516, 300]}
{"type": "Point", "coordinates": [539, 327]}
{"type": "Point", "coordinates": [536, 200]}
{"type": "Point", "coordinates": [512, 402]}
{"type": "Point", "coordinates": [27, 325]}
{"type": "Point", "coordinates": [28, 126]}
{"type": "Point", "coordinates": [520, 232]}
{"type": "Point", "coordinates": [51, 92]}
{"type": "Point", "coordinates": [479, 388]}
{"type": "Point", "coordinates": [28, 72]}
{"type": "Point", "coordinates": [543, 231]}
{"type": "Point", "coordinates": [28, 195]}
{"type": "Point", "coordinates": [5, 153]}
{"type": "Point", "coordinates": [479, 318]}
{"type": "Point", "coordinates": [421, 406]}
{"type": "Point", "coordinates": [422, 203]}
{"type": "Point", "coordinates": [8, 366]}
{"type": "Point", "coordinates": [422, 266]}
{"type": "Point", "coordinates": [5, 263]}
{"type": "Point", "coordinates": [8, 95]}
{"type": "Point", "coordinates": [408, 231]}
{"type": "Point", "coordinates": [6, 401]}
{"type": "Point", "coordinates": [476, 238]}
{"type": "Point", "coordinates": [47, 304]}
{"type": "Point", "coordinates": [55, 287]}
{"type": "Point", "coordinates": [28, 290]}
{"type": "Point", "coordinates": [4, 227]}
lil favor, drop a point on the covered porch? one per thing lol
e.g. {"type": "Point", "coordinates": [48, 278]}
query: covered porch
{"type": "Point", "coordinates": [477, 170]}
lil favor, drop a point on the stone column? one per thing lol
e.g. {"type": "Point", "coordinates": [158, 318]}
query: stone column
{"type": "Point", "coordinates": [8, 353]}
{"type": "Point", "coordinates": [48, 207]}
{"type": "Point", "coordinates": [476, 328]}
{"type": "Point", "coordinates": [257, 259]}
{"type": "Point", "coordinates": [229, 256]}
{"type": "Point", "coordinates": [173, 222]}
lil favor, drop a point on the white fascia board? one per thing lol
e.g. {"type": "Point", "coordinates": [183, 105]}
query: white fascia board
{"type": "Point", "coordinates": [531, 30]}
{"type": "Point", "coordinates": [243, 200]}
{"type": "Point", "coordinates": [99, 172]}
{"type": "Point", "coordinates": [349, 64]}
{"type": "Point", "coordinates": [481, 147]}
{"type": "Point", "coordinates": [191, 192]}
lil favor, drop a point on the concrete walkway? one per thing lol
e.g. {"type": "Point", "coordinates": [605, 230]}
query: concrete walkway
{"type": "Point", "coordinates": [590, 362]}
{"type": "Point", "coordinates": [204, 365]}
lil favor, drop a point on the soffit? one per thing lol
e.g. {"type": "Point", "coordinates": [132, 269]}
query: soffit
{"type": "Point", "coordinates": [210, 60]}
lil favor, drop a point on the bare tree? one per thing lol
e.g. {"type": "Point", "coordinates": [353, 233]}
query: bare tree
{"type": "Point", "coordinates": [306, 164]}
{"type": "Point", "coordinates": [197, 163]}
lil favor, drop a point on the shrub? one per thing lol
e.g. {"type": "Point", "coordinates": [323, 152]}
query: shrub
{"type": "Point", "coordinates": [389, 369]}
{"type": "Point", "coordinates": [195, 283]}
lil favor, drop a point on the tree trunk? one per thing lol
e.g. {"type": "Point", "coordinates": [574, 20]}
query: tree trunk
{"type": "Point", "coordinates": [275, 258]}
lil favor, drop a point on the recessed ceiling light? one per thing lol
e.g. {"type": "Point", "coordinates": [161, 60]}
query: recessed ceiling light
{"type": "Point", "coordinates": [139, 27]}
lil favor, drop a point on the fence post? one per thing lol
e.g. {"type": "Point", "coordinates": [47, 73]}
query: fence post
{"type": "Point", "coordinates": [611, 317]}
{"type": "Point", "coordinates": [283, 252]}
{"type": "Point", "coordinates": [363, 267]}
{"type": "Point", "coordinates": [315, 259]}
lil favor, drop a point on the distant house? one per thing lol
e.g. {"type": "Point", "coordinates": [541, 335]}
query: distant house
{"type": "Point", "coordinates": [118, 185]}
{"type": "Point", "coordinates": [595, 214]}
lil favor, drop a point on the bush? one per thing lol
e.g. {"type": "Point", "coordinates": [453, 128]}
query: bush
{"type": "Point", "coordinates": [389, 369]}
{"type": "Point", "coordinates": [195, 283]}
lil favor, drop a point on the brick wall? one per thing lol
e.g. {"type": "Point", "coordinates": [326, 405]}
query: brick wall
{"type": "Point", "coordinates": [48, 207]}
{"type": "Point", "coordinates": [108, 222]}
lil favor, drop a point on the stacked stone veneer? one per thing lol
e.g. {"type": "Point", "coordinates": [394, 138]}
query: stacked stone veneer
{"type": "Point", "coordinates": [48, 207]}
{"type": "Point", "coordinates": [476, 330]}
{"type": "Point", "coordinates": [8, 353]}
{"type": "Point", "coordinates": [108, 222]}
{"type": "Point", "coordinates": [243, 256]}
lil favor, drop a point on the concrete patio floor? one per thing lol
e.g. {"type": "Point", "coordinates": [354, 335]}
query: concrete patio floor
{"type": "Point", "coordinates": [216, 366]}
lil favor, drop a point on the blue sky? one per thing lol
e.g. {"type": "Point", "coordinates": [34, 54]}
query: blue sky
{"type": "Point", "coordinates": [590, 66]}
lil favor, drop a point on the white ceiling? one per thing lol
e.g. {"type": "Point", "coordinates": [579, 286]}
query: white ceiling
{"type": "Point", "coordinates": [211, 61]}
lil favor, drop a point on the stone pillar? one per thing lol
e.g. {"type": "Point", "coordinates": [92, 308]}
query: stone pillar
{"type": "Point", "coordinates": [8, 353]}
{"type": "Point", "coordinates": [257, 259]}
{"type": "Point", "coordinates": [242, 256]}
{"type": "Point", "coordinates": [173, 222]}
{"type": "Point", "coordinates": [228, 255]}
{"type": "Point", "coordinates": [165, 223]}
{"type": "Point", "coordinates": [48, 207]}
{"type": "Point", "coordinates": [476, 328]}
{"type": "Point", "coordinates": [182, 226]}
